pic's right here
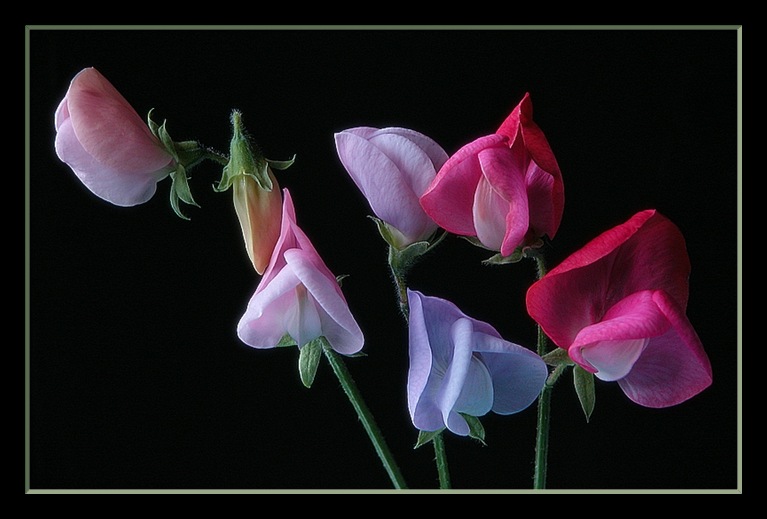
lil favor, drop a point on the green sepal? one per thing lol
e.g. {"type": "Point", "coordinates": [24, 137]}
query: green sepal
{"type": "Point", "coordinates": [584, 388]}
{"type": "Point", "coordinates": [558, 356]}
{"type": "Point", "coordinates": [340, 279]}
{"type": "Point", "coordinates": [186, 154]}
{"type": "Point", "coordinates": [500, 259]}
{"type": "Point", "coordinates": [286, 340]}
{"type": "Point", "coordinates": [476, 430]}
{"type": "Point", "coordinates": [246, 159]}
{"type": "Point", "coordinates": [179, 190]}
{"type": "Point", "coordinates": [425, 437]}
{"type": "Point", "coordinates": [309, 360]}
{"type": "Point", "coordinates": [281, 165]}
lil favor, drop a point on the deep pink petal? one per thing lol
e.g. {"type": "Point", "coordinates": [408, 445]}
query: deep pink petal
{"type": "Point", "coordinates": [505, 169]}
{"type": "Point", "coordinates": [449, 200]}
{"type": "Point", "coordinates": [673, 367]}
{"type": "Point", "coordinates": [545, 215]}
{"type": "Point", "coordinates": [645, 253]}
{"type": "Point", "coordinates": [519, 126]}
{"type": "Point", "coordinates": [613, 344]}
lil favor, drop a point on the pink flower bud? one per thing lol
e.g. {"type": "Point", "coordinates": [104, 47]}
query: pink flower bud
{"type": "Point", "coordinates": [105, 142]}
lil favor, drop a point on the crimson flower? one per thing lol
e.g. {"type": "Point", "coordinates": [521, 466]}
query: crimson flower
{"type": "Point", "coordinates": [505, 188]}
{"type": "Point", "coordinates": [618, 306]}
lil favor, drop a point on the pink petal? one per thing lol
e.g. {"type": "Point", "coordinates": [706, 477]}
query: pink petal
{"type": "Point", "coordinates": [264, 321]}
{"type": "Point", "coordinates": [338, 324]}
{"type": "Point", "coordinates": [673, 367]}
{"type": "Point", "coordinates": [104, 181]}
{"type": "Point", "coordinates": [645, 253]}
{"type": "Point", "coordinates": [504, 169]}
{"type": "Point", "coordinates": [611, 343]}
{"type": "Point", "coordinates": [109, 128]}
{"type": "Point", "coordinates": [449, 200]}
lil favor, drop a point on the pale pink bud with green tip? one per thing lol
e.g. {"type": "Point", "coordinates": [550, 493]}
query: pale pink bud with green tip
{"type": "Point", "coordinates": [107, 144]}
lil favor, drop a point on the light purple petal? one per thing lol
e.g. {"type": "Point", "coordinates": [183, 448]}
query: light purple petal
{"type": "Point", "coordinates": [382, 182]}
{"type": "Point", "coordinates": [518, 374]}
{"type": "Point", "coordinates": [436, 154]}
{"type": "Point", "coordinates": [425, 414]}
{"type": "Point", "coordinates": [477, 396]}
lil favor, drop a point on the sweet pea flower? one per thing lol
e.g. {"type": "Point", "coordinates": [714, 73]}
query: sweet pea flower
{"type": "Point", "coordinates": [505, 189]}
{"type": "Point", "coordinates": [459, 365]}
{"type": "Point", "coordinates": [393, 167]}
{"type": "Point", "coordinates": [105, 142]}
{"type": "Point", "coordinates": [298, 296]}
{"type": "Point", "coordinates": [618, 306]}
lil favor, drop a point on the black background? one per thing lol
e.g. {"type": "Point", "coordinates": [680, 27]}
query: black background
{"type": "Point", "coordinates": [137, 379]}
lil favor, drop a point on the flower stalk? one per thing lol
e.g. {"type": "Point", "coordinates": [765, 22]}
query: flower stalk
{"type": "Point", "coordinates": [364, 414]}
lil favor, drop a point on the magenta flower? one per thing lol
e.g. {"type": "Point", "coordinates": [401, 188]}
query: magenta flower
{"type": "Point", "coordinates": [459, 365]}
{"type": "Point", "coordinates": [393, 167]}
{"type": "Point", "coordinates": [105, 142]}
{"type": "Point", "coordinates": [505, 189]}
{"type": "Point", "coordinates": [618, 307]}
{"type": "Point", "coordinates": [298, 296]}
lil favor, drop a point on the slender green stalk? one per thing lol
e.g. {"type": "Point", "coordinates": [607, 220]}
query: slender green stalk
{"type": "Point", "coordinates": [544, 399]}
{"type": "Point", "coordinates": [365, 416]}
{"type": "Point", "coordinates": [441, 459]}
{"type": "Point", "coordinates": [542, 433]}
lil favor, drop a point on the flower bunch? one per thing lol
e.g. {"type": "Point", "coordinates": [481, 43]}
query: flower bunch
{"type": "Point", "coordinates": [614, 311]}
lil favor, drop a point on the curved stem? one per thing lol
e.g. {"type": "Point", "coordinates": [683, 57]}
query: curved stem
{"type": "Point", "coordinates": [441, 459]}
{"type": "Point", "coordinates": [365, 416]}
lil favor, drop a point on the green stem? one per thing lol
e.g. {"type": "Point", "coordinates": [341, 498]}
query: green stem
{"type": "Point", "coordinates": [544, 399]}
{"type": "Point", "coordinates": [400, 284]}
{"type": "Point", "coordinates": [542, 433]}
{"type": "Point", "coordinates": [365, 416]}
{"type": "Point", "coordinates": [441, 459]}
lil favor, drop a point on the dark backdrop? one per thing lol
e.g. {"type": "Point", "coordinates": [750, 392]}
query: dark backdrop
{"type": "Point", "coordinates": [137, 379]}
